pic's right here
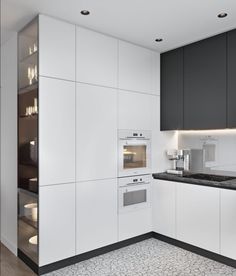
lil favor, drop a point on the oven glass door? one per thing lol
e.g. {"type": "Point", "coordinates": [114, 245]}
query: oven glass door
{"type": "Point", "coordinates": [134, 197]}
{"type": "Point", "coordinates": [134, 157]}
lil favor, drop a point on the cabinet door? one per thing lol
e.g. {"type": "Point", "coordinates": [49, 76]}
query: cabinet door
{"type": "Point", "coordinates": [56, 131]}
{"type": "Point", "coordinates": [96, 214]}
{"type": "Point", "coordinates": [96, 58]}
{"type": "Point", "coordinates": [231, 61]}
{"type": "Point", "coordinates": [134, 223]}
{"type": "Point", "coordinates": [135, 110]}
{"type": "Point", "coordinates": [172, 90]}
{"type": "Point", "coordinates": [57, 48]}
{"type": "Point", "coordinates": [96, 128]}
{"type": "Point", "coordinates": [197, 216]}
{"type": "Point", "coordinates": [57, 223]}
{"type": "Point", "coordinates": [164, 200]}
{"type": "Point", "coordinates": [139, 69]}
{"type": "Point", "coordinates": [205, 84]}
{"type": "Point", "coordinates": [228, 223]}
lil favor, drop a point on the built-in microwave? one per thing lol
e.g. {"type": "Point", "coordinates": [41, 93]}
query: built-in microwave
{"type": "Point", "coordinates": [134, 152]}
{"type": "Point", "coordinates": [134, 193]}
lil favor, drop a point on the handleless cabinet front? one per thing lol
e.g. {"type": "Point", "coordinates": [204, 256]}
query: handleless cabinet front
{"type": "Point", "coordinates": [163, 204]}
{"type": "Point", "coordinates": [96, 58]}
{"type": "Point", "coordinates": [172, 96]}
{"type": "Point", "coordinates": [96, 214]}
{"type": "Point", "coordinates": [96, 132]}
{"type": "Point", "coordinates": [231, 63]}
{"type": "Point", "coordinates": [57, 223]}
{"type": "Point", "coordinates": [139, 69]}
{"type": "Point", "coordinates": [228, 223]}
{"type": "Point", "coordinates": [56, 131]}
{"type": "Point", "coordinates": [57, 48]}
{"type": "Point", "coordinates": [205, 84]}
{"type": "Point", "coordinates": [197, 216]}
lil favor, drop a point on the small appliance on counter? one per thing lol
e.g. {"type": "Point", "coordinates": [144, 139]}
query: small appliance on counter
{"type": "Point", "coordinates": [186, 160]}
{"type": "Point", "coordinates": [181, 160]}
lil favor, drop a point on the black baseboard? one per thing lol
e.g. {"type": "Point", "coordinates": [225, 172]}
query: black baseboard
{"type": "Point", "coordinates": [27, 261]}
{"type": "Point", "coordinates": [197, 250]}
{"type": "Point", "coordinates": [85, 256]}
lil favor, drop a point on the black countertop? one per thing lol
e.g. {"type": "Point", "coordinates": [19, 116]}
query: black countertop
{"type": "Point", "coordinates": [229, 184]}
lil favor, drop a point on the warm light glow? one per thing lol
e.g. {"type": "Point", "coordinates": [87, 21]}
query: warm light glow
{"type": "Point", "coordinates": [209, 131]}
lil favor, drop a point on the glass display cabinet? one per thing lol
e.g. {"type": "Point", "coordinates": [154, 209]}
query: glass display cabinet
{"type": "Point", "coordinates": [28, 143]}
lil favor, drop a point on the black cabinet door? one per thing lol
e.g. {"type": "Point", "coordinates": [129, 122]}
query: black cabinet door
{"type": "Point", "coordinates": [231, 99]}
{"type": "Point", "coordinates": [172, 90]}
{"type": "Point", "coordinates": [205, 84]}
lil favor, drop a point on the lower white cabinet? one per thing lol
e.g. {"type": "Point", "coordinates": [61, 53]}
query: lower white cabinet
{"type": "Point", "coordinates": [134, 223]}
{"type": "Point", "coordinates": [57, 223]}
{"type": "Point", "coordinates": [96, 214]}
{"type": "Point", "coordinates": [163, 204]}
{"type": "Point", "coordinates": [197, 216]}
{"type": "Point", "coordinates": [228, 223]}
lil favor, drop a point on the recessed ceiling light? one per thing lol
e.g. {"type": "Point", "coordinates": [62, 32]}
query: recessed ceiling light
{"type": "Point", "coordinates": [222, 14]}
{"type": "Point", "coordinates": [159, 40]}
{"type": "Point", "coordinates": [85, 12]}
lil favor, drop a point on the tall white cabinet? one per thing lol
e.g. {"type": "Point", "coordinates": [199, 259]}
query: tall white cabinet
{"type": "Point", "coordinates": [90, 86]}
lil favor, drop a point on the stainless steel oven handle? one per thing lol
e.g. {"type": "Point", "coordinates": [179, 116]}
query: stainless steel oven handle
{"type": "Point", "coordinates": [136, 183]}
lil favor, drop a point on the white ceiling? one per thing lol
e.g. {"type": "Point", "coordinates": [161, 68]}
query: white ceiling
{"type": "Point", "coordinates": [178, 22]}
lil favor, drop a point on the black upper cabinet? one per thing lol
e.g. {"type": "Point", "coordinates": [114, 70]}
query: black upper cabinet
{"type": "Point", "coordinates": [172, 90]}
{"type": "Point", "coordinates": [231, 99]}
{"type": "Point", "coordinates": [205, 84]}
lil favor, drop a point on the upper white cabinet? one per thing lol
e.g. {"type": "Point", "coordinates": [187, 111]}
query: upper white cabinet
{"type": "Point", "coordinates": [96, 214]}
{"type": "Point", "coordinates": [228, 223]}
{"type": "Point", "coordinates": [135, 110]}
{"type": "Point", "coordinates": [57, 48]}
{"type": "Point", "coordinates": [96, 132]}
{"type": "Point", "coordinates": [57, 223]}
{"type": "Point", "coordinates": [56, 131]}
{"type": "Point", "coordinates": [163, 204]}
{"type": "Point", "coordinates": [139, 69]}
{"type": "Point", "coordinates": [197, 216]}
{"type": "Point", "coordinates": [96, 58]}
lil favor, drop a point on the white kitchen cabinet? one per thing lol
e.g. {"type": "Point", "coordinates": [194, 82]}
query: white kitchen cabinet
{"type": "Point", "coordinates": [96, 214]}
{"type": "Point", "coordinates": [197, 216]}
{"type": "Point", "coordinates": [57, 223]}
{"type": "Point", "coordinates": [163, 204]}
{"type": "Point", "coordinates": [56, 131]}
{"type": "Point", "coordinates": [96, 132]}
{"type": "Point", "coordinates": [139, 69]}
{"type": "Point", "coordinates": [57, 48]}
{"type": "Point", "coordinates": [228, 223]}
{"type": "Point", "coordinates": [134, 223]}
{"type": "Point", "coordinates": [96, 58]}
{"type": "Point", "coordinates": [135, 110]}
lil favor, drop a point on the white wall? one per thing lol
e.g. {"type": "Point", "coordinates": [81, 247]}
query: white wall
{"type": "Point", "coordinates": [9, 143]}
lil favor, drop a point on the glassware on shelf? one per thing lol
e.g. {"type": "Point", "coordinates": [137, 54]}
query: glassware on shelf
{"type": "Point", "coordinates": [32, 110]}
{"type": "Point", "coordinates": [32, 74]}
{"type": "Point", "coordinates": [31, 211]}
{"type": "Point", "coordinates": [33, 49]}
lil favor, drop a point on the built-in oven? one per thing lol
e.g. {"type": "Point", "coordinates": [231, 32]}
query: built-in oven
{"type": "Point", "coordinates": [134, 152]}
{"type": "Point", "coordinates": [134, 193]}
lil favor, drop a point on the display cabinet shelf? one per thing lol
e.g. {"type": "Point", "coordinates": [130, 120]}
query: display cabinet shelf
{"type": "Point", "coordinates": [28, 222]}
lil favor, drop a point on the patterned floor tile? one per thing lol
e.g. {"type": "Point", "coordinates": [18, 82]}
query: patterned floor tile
{"type": "Point", "coordinates": [147, 258]}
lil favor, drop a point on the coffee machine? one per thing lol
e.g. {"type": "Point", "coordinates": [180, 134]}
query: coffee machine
{"type": "Point", "coordinates": [180, 159]}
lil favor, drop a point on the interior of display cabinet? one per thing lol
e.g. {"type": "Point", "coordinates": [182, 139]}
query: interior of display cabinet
{"type": "Point", "coordinates": [28, 141]}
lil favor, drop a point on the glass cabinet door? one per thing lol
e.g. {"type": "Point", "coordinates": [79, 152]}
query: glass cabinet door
{"type": "Point", "coordinates": [28, 142]}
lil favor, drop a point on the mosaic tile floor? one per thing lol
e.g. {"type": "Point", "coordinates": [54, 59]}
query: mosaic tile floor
{"type": "Point", "coordinates": [147, 258]}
